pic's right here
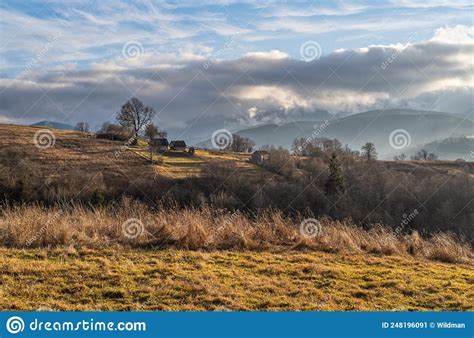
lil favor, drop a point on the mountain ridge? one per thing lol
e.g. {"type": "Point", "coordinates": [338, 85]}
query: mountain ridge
{"type": "Point", "coordinates": [375, 126]}
{"type": "Point", "coordinates": [52, 124]}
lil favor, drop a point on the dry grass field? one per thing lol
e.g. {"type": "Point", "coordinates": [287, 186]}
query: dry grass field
{"type": "Point", "coordinates": [196, 260]}
{"type": "Point", "coordinates": [166, 280]}
{"type": "Point", "coordinates": [134, 225]}
{"type": "Point", "coordinates": [74, 155]}
{"type": "Point", "coordinates": [110, 161]}
{"type": "Point", "coordinates": [79, 257]}
{"type": "Point", "coordinates": [180, 165]}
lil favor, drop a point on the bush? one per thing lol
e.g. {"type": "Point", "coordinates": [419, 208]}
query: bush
{"type": "Point", "coordinates": [115, 133]}
{"type": "Point", "coordinates": [97, 199]}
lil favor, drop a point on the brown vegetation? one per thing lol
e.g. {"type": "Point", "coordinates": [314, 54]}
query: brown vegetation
{"type": "Point", "coordinates": [96, 172]}
{"type": "Point", "coordinates": [132, 224]}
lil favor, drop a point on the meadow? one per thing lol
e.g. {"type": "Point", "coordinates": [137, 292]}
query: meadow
{"type": "Point", "coordinates": [171, 280]}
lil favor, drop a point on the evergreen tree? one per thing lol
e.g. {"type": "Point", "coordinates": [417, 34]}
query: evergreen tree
{"type": "Point", "coordinates": [335, 182]}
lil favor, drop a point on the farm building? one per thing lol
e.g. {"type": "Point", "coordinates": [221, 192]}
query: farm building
{"type": "Point", "coordinates": [178, 145]}
{"type": "Point", "coordinates": [160, 144]}
{"type": "Point", "coordinates": [260, 156]}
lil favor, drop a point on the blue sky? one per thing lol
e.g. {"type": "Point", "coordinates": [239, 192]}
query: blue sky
{"type": "Point", "coordinates": [237, 61]}
{"type": "Point", "coordinates": [104, 26]}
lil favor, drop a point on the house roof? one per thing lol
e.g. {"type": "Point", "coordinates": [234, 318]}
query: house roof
{"type": "Point", "coordinates": [178, 143]}
{"type": "Point", "coordinates": [260, 152]}
{"type": "Point", "coordinates": [160, 142]}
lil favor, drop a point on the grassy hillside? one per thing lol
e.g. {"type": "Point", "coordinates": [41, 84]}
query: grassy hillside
{"type": "Point", "coordinates": [73, 153]}
{"type": "Point", "coordinates": [172, 280]}
{"type": "Point", "coordinates": [178, 165]}
{"type": "Point", "coordinates": [112, 162]}
{"type": "Point", "coordinates": [116, 163]}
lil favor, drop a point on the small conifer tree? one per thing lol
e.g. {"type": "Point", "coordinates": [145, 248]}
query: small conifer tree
{"type": "Point", "coordinates": [335, 182]}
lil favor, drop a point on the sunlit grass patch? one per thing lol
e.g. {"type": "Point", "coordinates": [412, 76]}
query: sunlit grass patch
{"type": "Point", "coordinates": [168, 280]}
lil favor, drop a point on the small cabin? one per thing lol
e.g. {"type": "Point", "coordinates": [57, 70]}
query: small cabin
{"type": "Point", "coordinates": [260, 156]}
{"type": "Point", "coordinates": [160, 144]}
{"type": "Point", "coordinates": [178, 145]}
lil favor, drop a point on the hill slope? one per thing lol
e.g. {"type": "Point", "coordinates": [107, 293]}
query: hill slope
{"type": "Point", "coordinates": [90, 162]}
{"type": "Point", "coordinates": [55, 125]}
{"type": "Point", "coordinates": [450, 149]}
{"type": "Point", "coordinates": [108, 164]}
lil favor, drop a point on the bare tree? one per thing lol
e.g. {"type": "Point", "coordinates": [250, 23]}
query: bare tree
{"type": "Point", "coordinates": [151, 131]}
{"type": "Point", "coordinates": [241, 144]}
{"type": "Point", "coordinates": [162, 134]}
{"type": "Point", "coordinates": [424, 155]}
{"type": "Point", "coordinates": [401, 157]}
{"type": "Point", "coordinates": [135, 115]}
{"type": "Point", "coordinates": [421, 155]}
{"type": "Point", "coordinates": [82, 126]}
{"type": "Point", "coordinates": [369, 151]}
{"type": "Point", "coordinates": [113, 132]}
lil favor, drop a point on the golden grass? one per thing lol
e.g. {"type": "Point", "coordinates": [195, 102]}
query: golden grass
{"type": "Point", "coordinates": [76, 154]}
{"type": "Point", "coordinates": [207, 229]}
{"type": "Point", "coordinates": [172, 280]}
{"type": "Point", "coordinates": [178, 165]}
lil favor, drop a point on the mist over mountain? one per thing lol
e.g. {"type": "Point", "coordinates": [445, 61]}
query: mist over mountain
{"type": "Point", "coordinates": [453, 148]}
{"type": "Point", "coordinates": [201, 128]}
{"type": "Point", "coordinates": [375, 126]}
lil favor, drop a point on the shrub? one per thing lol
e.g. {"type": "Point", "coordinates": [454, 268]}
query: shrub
{"type": "Point", "coordinates": [97, 199]}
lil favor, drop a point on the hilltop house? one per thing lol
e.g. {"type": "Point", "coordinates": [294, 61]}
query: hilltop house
{"type": "Point", "coordinates": [178, 145]}
{"type": "Point", "coordinates": [160, 144]}
{"type": "Point", "coordinates": [260, 156]}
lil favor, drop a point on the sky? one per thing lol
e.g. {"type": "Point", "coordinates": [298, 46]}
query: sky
{"type": "Point", "coordinates": [208, 64]}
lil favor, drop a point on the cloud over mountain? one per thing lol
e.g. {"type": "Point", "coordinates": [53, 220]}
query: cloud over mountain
{"type": "Point", "coordinates": [197, 82]}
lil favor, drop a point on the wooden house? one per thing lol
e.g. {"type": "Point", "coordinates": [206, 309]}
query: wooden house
{"type": "Point", "coordinates": [260, 156]}
{"type": "Point", "coordinates": [160, 144]}
{"type": "Point", "coordinates": [178, 145]}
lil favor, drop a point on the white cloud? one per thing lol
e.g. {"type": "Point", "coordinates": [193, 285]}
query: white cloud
{"type": "Point", "coordinates": [271, 55]}
{"type": "Point", "coordinates": [432, 3]}
{"type": "Point", "coordinates": [455, 35]}
{"type": "Point", "coordinates": [261, 85]}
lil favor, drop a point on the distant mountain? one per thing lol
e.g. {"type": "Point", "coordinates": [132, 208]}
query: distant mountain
{"type": "Point", "coordinates": [372, 126]}
{"type": "Point", "coordinates": [452, 148]}
{"type": "Point", "coordinates": [56, 125]}
{"type": "Point", "coordinates": [200, 129]}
